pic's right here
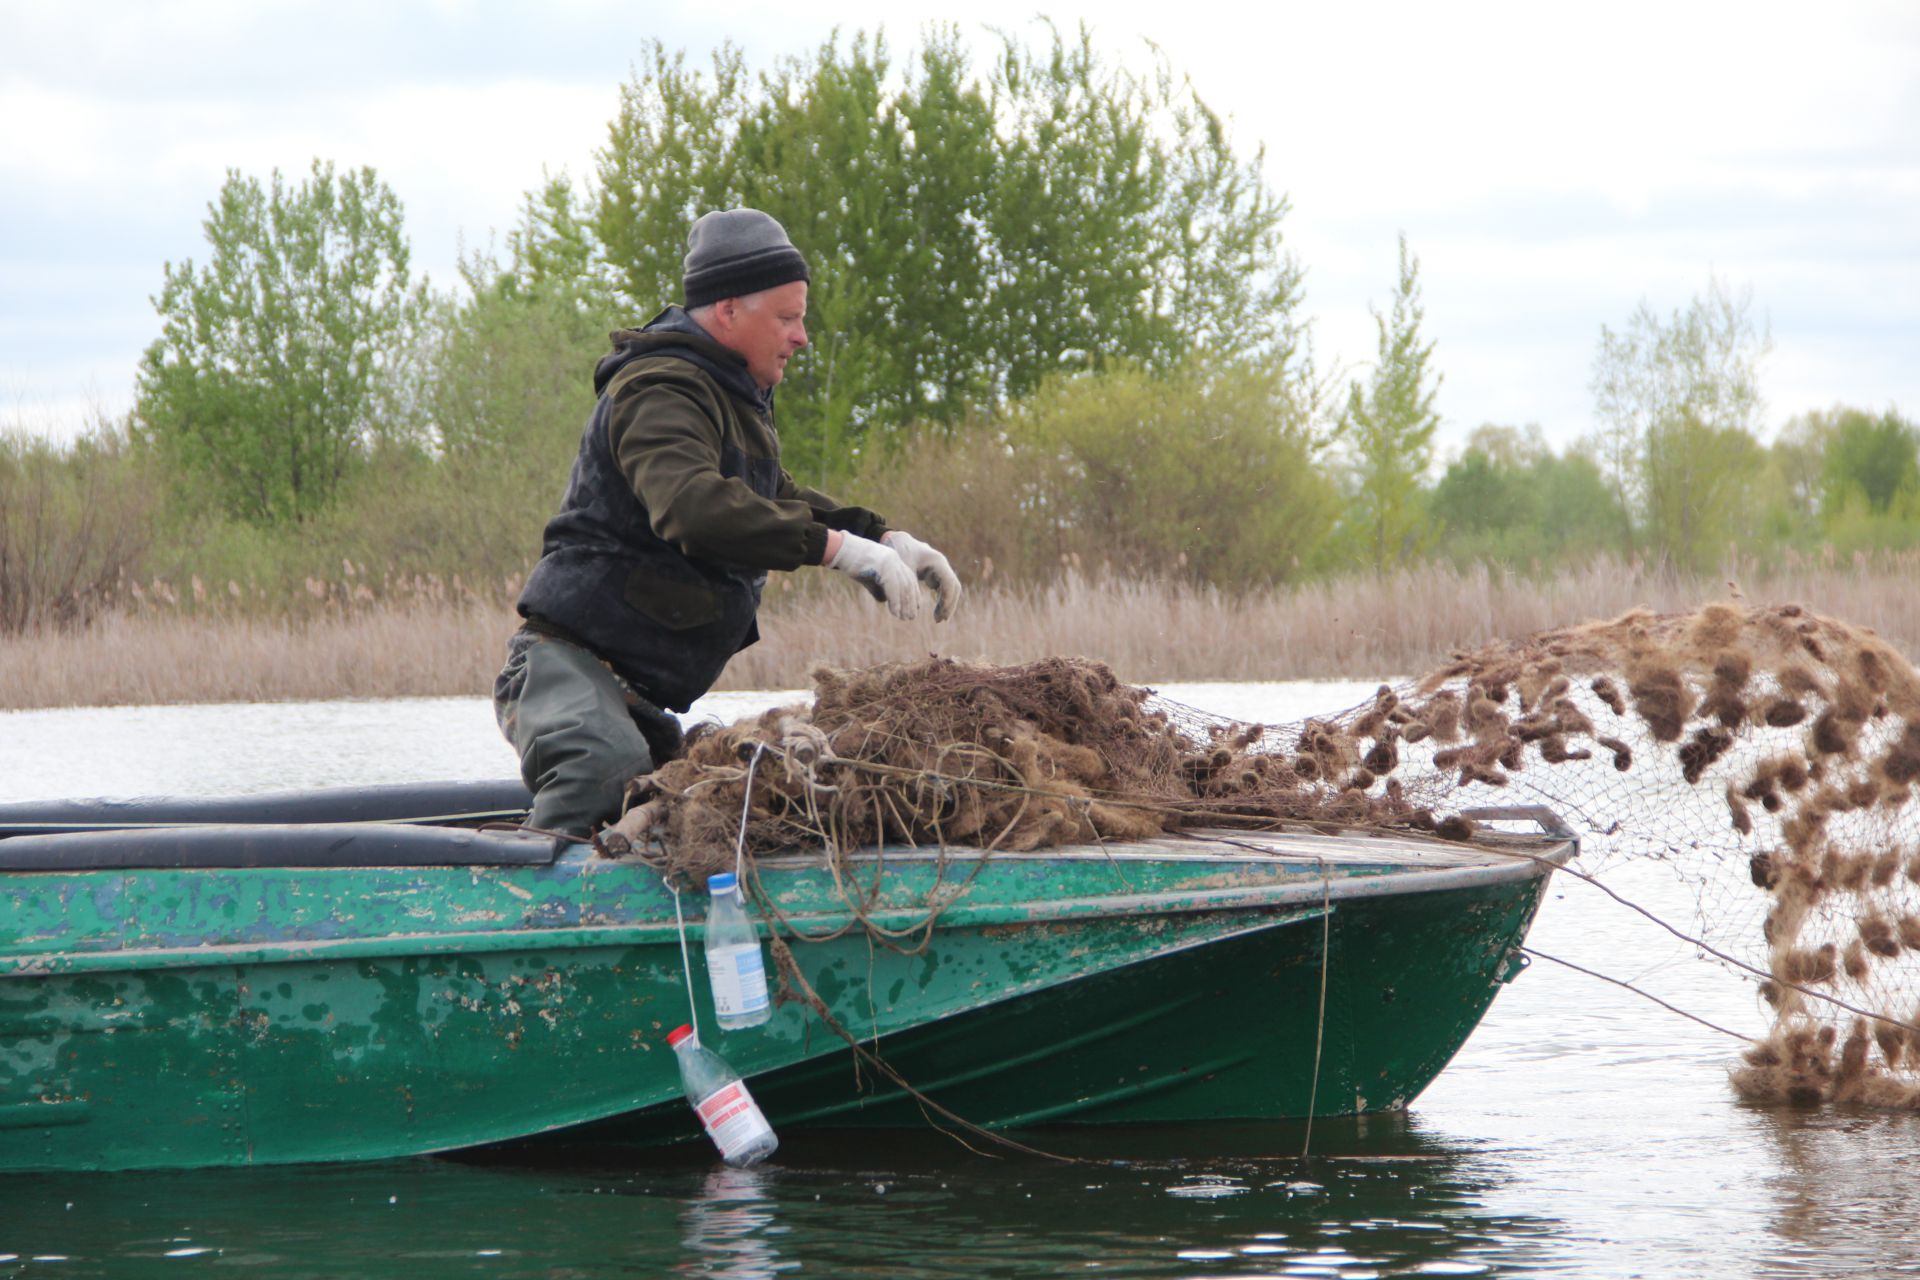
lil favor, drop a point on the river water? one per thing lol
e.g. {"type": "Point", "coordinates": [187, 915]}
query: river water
{"type": "Point", "coordinates": [1582, 1131]}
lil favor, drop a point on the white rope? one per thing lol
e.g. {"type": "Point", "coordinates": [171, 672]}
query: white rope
{"type": "Point", "coordinates": [686, 963]}
{"type": "Point", "coordinates": [1320, 1025]}
{"type": "Point", "coordinates": [746, 801]}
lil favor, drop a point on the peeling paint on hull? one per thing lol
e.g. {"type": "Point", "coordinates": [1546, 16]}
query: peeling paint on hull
{"type": "Point", "coordinates": [184, 1018]}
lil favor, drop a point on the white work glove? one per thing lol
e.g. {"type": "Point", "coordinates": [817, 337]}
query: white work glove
{"type": "Point", "coordinates": [931, 568]}
{"type": "Point", "coordinates": [880, 570]}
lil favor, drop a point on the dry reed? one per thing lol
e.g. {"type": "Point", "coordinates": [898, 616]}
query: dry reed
{"type": "Point", "coordinates": [1362, 627]}
{"type": "Point", "coordinates": [390, 650]}
{"type": "Point", "coordinates": [437, 643]}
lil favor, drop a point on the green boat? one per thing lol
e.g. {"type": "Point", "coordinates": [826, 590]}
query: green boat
{"type": "Point", "coordinates": [366, 975]}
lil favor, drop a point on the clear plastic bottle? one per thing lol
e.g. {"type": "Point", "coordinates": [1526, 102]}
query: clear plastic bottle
{"type": "Point", "coordinates": [727, 1111]}
{"type": "Point", "coordinates": [736, 968]}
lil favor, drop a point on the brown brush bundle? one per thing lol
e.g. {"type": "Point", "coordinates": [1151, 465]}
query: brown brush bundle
{"type": "Point", "coordinates": [1766, 738]}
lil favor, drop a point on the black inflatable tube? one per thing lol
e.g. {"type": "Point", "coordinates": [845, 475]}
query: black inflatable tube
{"type": "Point", "coordinates": [450, 804]}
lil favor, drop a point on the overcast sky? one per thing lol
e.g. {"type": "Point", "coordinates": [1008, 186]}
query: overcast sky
{"type": "Point", "coordinates": [1551, 165]}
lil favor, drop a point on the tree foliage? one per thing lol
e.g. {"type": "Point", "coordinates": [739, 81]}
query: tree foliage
{"type": "Point", "coordinates": [1868, 460]}
{"type": "Point", "coordinates": [73, 523]}
{"type": "Point", "coordinates": [507, 373]}
{"type": "Point", "coordinates": [258, 387]}
{"type": "Point", "coordinates": [552, 256]}
{"type": "Point", "coordinates": [1490, 488]}
{"type": "Point", "coordinates": [1206, 472]}
{"type": "Point", "coordinates": [1509, 498]}
{"type": "Point", "coordinates": [1678, 402]}
{"type": "Point", "coordinates": [971, 231]}
{"type": "Point", "coordinates": [1388, 429]}
{"type": "Point", "coordinates": [1696, 478]}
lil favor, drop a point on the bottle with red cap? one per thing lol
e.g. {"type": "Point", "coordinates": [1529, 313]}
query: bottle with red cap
{"type": "Point", "coordinates": [727, 1111]}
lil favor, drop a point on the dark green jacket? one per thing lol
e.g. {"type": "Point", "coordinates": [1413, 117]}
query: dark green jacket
{"type": "Point", "coordinates": [676, 508]}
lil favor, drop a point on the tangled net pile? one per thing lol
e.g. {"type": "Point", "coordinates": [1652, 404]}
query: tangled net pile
{"type": "Point", "coordinates": [1771, 736]}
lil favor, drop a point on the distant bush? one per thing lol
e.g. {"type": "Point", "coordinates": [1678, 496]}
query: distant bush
{"type": "Point", "coordinates": [75, 523]}
{"type": "Point", "coordinates": [507, 374]}
{"type": "Point", "coordinates": [508, 387]}
{"type": "Point", "coordinates": [975, 494]}
{"type": "Point", "coordinates": [1508, 499]}
{"type": "Point", "coordinates": [1872, 465]}
{"type": "Point", "coordinates": [1205, 474]}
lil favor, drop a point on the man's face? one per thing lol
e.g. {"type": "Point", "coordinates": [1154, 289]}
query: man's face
{"type": "Point", "coordinates": [766, 328]}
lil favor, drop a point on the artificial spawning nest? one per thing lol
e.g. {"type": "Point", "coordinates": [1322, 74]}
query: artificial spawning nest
{"type": "Point", "coordinates": [1770, 738]}
{"type": "Point", "coordinates": [1005, 758]}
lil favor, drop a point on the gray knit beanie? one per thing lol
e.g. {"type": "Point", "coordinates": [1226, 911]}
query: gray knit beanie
{"type": "Point", "coordinates": [734, 252]}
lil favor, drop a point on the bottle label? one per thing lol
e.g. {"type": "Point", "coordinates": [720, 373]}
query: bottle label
{"type": "Point", "coordinates": [739, 978]}
{"type": "Point", "coordinates": [732, 1119]}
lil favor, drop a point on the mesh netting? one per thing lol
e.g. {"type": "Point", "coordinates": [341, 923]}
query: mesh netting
{"type": "Point", "coordinates": [1768, 737]}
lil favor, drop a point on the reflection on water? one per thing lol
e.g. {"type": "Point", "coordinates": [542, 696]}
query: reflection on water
{"type": "Point", "coordinates": [1843, 1196]}
{"type": "Point", "coordinates": [1581, 1132]}
{"type": "Point", "coordinates": [731, 1229]}
{"type": "Point", "coordinates": [1379, 1198]}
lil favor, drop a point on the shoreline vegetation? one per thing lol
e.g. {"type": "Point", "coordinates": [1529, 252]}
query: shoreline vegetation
{"type": "Point", "coordinates": [1109, 414]}
{"type": "Point", "coordinates": [427, 641]}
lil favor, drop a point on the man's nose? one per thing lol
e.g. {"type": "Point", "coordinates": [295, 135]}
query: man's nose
{"type": "Point", "coordinates": [800, 336]}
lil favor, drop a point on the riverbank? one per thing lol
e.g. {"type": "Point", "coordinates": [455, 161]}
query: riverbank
{"type": "Point", "coordinates": [1355, 628]}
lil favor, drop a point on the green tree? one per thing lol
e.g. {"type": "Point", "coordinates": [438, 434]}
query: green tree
{"type": "Point", "coordinates": [257, 390]}
{"type": "Point", "coordinates": [1795, 461]}
{"type": "Point", "coordinates": [972, 231]}
{"type": "Point", "coordinates": [1511, 499]}
{"type": "Point", "coordinates": [552, 254]}
{"type": "Point", "coordinates": [1677, 402]}
{"type": "Point", "coordinates": [507, 373]}
{"type": "Point", "coordinates": [1123, 225]}
{"type": "Point", "coordinates": [1871, 461]}
{"type": "Point", "coordinates": [1488, 490]}
{"type": "Point", "coordinates": [1388, 430]}
{"type": "Point", "coordinates": [1206, 472]}
{"type": "Point", "coordinates": [1579, 513]}
{"type": "Point", "coordinates": [1697, 478]}
{"type": "Point", "coordinates": [1845, 478]}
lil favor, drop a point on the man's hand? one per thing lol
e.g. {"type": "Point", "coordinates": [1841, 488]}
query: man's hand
{"type": "Point", "coordinates": [880, 570]}
{"type": "Point", "coordinates": [931, 568]}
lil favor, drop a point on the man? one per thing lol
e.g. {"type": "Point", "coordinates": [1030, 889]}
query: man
{"type": "Point", "coordinates": [650, 575]}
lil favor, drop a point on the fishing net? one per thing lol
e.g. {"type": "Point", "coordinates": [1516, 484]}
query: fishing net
{"type": "Point", "coordinates": [1767, 741]}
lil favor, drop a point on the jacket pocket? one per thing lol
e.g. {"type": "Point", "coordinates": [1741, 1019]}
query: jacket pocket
{"type": "Point", "coordinates": [675, 605]}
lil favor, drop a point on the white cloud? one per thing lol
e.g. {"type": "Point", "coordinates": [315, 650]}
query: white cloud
{"type": "Point", "coordinates": [1551, 165]}
{"type": "Point", "coordinates": [477, 149]}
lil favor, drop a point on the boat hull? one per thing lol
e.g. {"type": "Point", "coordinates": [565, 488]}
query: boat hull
{"type": "Point", "coordinates": [1229, 1029]}
{"type": "Point", "coordinates": [184, 1018]}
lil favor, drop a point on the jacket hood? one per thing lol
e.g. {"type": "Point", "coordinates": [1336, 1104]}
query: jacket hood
{"type": "Point", "coordinates": [675, 333]}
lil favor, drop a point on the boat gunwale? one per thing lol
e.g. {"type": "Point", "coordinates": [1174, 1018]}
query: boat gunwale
{"type": "Point", "coordinates": [1301, 890]}
{"type": "Point", "coordinates": [1387, 849]}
